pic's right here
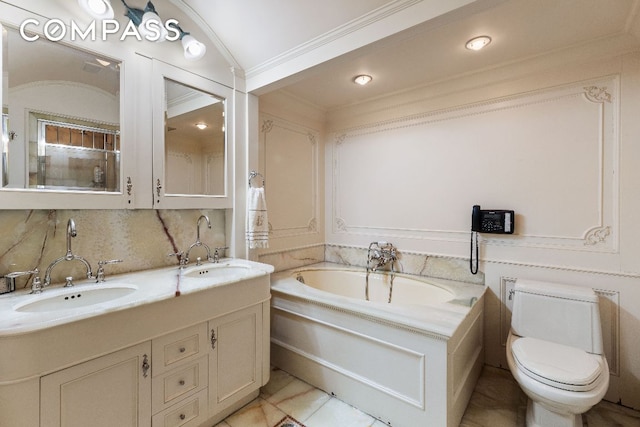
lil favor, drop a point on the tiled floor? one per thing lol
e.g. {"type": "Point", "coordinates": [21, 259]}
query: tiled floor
{"type": "Point", "coordinates": [497, 401]}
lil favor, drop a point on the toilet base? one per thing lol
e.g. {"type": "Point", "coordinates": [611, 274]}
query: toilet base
{"type": "Point", "coordinates": [539, 416]}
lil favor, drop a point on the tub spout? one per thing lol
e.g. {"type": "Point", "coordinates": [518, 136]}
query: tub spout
{"type": "Point", "coordinates": [379, 255]}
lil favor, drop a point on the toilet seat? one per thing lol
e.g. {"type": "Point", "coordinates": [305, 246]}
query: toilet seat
{"type": "Point", "coordinates": [557, 365]}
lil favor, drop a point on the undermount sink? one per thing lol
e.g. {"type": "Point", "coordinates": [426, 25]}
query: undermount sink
{"type": "Point", "coordinates": [78, 296]}
{"type": "Point", "coordinates": [216, 271]}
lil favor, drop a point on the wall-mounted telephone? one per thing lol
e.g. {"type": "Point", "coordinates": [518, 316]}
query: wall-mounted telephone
{"type": "Point", "coordinates": [488, 221]}
{"type": "Point", "coordinates": [492, 221]}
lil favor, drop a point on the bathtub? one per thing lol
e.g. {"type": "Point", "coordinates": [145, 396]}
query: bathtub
{"type": "Point", "coordinates": [411, 362]}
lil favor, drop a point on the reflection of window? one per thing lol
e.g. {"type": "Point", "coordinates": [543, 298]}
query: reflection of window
{"type": "Point", "coordinates": [76, 156]}
{"type": "Point", "coordinates": [78, 136]}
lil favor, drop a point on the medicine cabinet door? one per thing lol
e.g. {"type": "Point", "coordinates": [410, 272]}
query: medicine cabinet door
{"type": "Point", "coordinates": [63, 121]}
{"type": "Point", "coordinates": [191, 140]}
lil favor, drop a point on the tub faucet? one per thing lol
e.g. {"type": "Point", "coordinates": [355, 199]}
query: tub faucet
{"type": "Point", "coordinates": [379, 255]}
{"type": "Point", "coordinates": [198, 242]}
{"type": "Point", "coordinates": [71, 232]}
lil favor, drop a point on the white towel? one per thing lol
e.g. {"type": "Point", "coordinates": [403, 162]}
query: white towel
{"type": "Point", "coordinates": [257, 222]}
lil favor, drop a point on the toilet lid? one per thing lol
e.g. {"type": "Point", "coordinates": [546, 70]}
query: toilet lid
{"type": "Point", "coordinates": [557, 365]}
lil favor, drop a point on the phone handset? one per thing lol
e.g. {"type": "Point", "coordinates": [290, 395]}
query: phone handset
{"type": "Point", "coordinates": [476, 221]}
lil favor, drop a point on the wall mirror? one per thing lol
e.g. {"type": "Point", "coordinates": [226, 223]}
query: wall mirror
{"type": "Point", "coordinates": [195, 141]}
{"type": "Point", "coordinates": [60, 117]}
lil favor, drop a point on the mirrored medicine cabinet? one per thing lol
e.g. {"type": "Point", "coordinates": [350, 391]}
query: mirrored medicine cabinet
{"type": "Point", "coordinates": [191, 134]}
{"type": "Point", "coordinates": [60, 119]}
{"type": "Point", "coordinates": [72, 138]}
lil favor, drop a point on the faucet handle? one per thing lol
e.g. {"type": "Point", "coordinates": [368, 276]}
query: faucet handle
{"type": "Point", "coordinates": [36, 285]}
{"type": "Point", "coordinates": [216, 254]}
{"type": "Point", "coordinates": [182, 261]}
{"type": "Point", "coordinates": [101, 264]}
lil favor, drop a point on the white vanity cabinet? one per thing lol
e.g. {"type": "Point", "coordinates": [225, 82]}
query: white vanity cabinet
{"type": "Point", "coordinates": [112, 390]}
{"type": "Point", "coordinates": [180, 361]}
{"type": "Point", "coordinates": [180, 378]}
{"type": "Point", "coordinates": [236, 357]}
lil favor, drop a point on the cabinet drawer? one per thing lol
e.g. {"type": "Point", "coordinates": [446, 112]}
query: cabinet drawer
{"type": "Point", "coordinates": [181, 346]}
{"type": "Point", "coordinates": [179, 383]}
{"type": "Point", "coordinates": [189, 413]}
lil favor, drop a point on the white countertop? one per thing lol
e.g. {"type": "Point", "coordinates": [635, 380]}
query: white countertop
{"type": "Point", "coordinates": [151, 286]}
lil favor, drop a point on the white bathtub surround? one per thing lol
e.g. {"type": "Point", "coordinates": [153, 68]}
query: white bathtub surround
{"type": "Point", "coordinates": [403, 364]}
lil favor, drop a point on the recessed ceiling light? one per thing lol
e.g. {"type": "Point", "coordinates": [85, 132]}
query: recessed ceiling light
{"type": "Point", "coordinates": [478, 43]}
{"type": "Point", "coordinates": [362, 79]}
{"type": "Point", "coordinates": [201, 126]}
{"type": "Point", "coordinates": [98, 9]}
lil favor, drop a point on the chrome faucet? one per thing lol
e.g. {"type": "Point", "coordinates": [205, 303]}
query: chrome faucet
{"type": "Point", "coordinates": [382, 253]}
{"type": "Point", "coordinates": [71, 232]}
{"type": "Point", "coordinates": [379, 255]}
{"type": "Point", "coordinates": [198, 242]}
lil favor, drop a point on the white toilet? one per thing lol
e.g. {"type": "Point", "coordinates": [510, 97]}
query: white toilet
{"type": "Point", "coordinates": [554, 352]}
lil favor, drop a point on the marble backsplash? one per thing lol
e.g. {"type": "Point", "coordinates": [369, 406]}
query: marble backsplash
{"type": "Point", "coordinates": [141, 238]}
{"type": "Point", "coordinates": [408, 262]}
{"type": "Point", "coordinates": [294, 258]}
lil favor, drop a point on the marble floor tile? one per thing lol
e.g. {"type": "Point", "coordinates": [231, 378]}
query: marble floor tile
{"type": "Point", "coordinates": [497, 401]}
{"type": "Point", "coordinates": [337, 413]}
{"type": "Point", "coordinates": [607, 414]}
{"type": "Point", "coordinates": [258, 413]}
{"type": "Point", "coordinates": [278, 379]}
{"type": "Point", "coordinates": [299, 399]}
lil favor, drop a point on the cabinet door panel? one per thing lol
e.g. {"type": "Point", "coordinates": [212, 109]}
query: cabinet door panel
{"type": "Point", "coordinates": [112, 390]}
{"type": "Point", "coordinates": [236, 360]}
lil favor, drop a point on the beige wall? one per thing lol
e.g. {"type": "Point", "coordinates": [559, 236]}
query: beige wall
{"type": "Point", "coordinates": [556, 141]}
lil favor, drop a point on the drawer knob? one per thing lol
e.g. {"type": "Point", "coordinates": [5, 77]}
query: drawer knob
{"type": "Point", "coordinates": [181, 382]}
{"type": "Point", "coordinates": [183, 416]}
{"type": "Point", "coordinates": [182, 349]}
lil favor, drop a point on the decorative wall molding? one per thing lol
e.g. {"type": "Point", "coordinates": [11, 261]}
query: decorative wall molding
{"type": "Point", "coordinates": [291, 165]}
{"type": "Point", "coordinates": [597, 94]}
{"type": "Point", "coordinates": [577, 161]}
{"type": "Point", "coordinates": [597, 235]}
{"type": "Point", "coordinates": [267, 126]}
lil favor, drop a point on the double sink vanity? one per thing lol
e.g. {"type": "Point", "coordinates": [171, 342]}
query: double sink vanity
{"type": "Point", "coordinates": [176, 346]}
{"type": "Point", "coordinates": [119, 126]}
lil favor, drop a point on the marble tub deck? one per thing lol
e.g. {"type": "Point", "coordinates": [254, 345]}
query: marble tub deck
{"type": "Point", "coordinates": [497, 401]}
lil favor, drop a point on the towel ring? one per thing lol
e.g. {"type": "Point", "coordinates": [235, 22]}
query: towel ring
{"type": "Point", "coordinates": [254, 174]}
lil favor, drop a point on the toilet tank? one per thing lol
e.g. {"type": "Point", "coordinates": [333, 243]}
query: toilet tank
{"type": "Point", "coordinates": [560, 313]}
